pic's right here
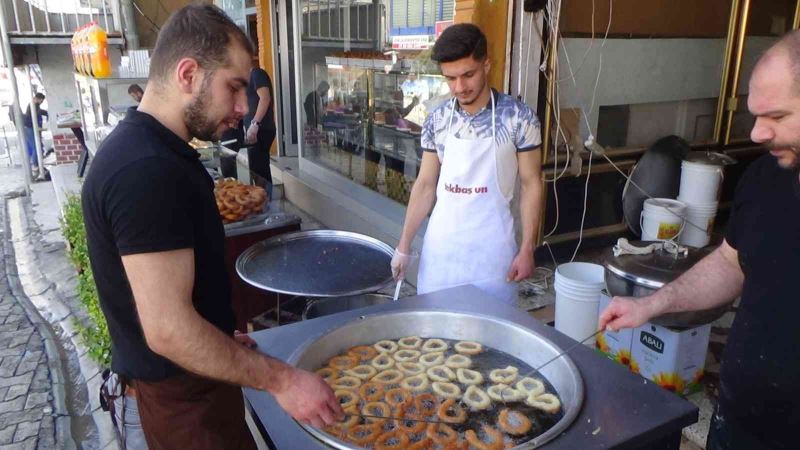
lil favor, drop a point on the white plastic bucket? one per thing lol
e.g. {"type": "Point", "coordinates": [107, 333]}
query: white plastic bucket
{"type": "Point", "coordinates": [700, 183]}
{"type": "Point", "coordinates": [662, 219]}
{"type": "Point", "coordinates": [699, 224]}
{"type": "Point", "coordinates": [578, 287]}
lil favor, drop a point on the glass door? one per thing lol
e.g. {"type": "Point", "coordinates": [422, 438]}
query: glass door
{"type": "Point", "coordinates": [285, 75]}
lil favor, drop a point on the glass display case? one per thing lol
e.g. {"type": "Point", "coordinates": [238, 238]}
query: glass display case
{"type": "Point", "coordinates": [367, 124]}
{"type": "Point", "coordinates": [103, 103]}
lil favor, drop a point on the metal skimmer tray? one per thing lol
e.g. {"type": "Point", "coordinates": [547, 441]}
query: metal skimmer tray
{"type": "Point", "coordinates": [317, 263]}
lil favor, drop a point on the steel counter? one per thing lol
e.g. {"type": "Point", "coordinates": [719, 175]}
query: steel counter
{"type": "Point", "coordinates": [620, 410]}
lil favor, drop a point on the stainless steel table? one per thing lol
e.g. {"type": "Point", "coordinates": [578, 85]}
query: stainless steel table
{"type": "Point", "coordinates": [620, 410]}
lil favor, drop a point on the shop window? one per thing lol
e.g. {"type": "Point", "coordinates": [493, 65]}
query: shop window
{"type": "Point", "coordinates": [367, 86]}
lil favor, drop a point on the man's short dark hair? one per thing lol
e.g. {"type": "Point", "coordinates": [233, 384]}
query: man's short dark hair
{"type": "Point", "coordinates": [202, 32]}
{"type": "Point", "coordinates": [135, 88]}
{"type": "Point", "coordinates": [39, 95]}
{"type": "Point", "coordinates": [460, 41]}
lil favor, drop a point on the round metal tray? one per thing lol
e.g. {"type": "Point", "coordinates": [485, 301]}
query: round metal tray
{"type": "Point", "coordinates": [317, 263]}
{"type": "Point", "coordinates": [508, 337]}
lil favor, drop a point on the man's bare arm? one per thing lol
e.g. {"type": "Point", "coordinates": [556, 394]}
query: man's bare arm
{"type": "Point", "coordinates": [530, 207]}
{"type": "Point", "coordinates": [264, 100]}
{"type": "Point", "coordinates": [715, 280]}
{"type": "Point", "coordinates": [162, 286]}
{"type": "Point", "coordinates": [423, 196]}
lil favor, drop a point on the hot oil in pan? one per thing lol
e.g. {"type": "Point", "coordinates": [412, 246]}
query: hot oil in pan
{"type": "Point", "coordinates": [484, 363]}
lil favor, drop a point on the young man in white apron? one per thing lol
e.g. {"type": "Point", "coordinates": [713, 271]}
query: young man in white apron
{"type": "Point", "coordinates": [476, 146]}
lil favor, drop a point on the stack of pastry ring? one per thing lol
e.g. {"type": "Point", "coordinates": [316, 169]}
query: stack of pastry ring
{"type": "Point", "coordinates": [237, 201]}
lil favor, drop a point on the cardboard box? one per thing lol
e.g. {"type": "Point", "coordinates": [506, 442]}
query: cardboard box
{"type": "Point", "coordinates": [614, 345]}
{"type": "Point", "coordinates": [673, 359]}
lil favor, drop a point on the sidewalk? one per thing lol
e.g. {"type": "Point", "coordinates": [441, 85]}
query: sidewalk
{"type": "Point", "coordinates": [48, 291]}
{"type": "Point", "coordinates": [32, 412]}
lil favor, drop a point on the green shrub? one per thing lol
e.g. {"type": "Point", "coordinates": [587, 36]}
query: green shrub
{"type": "Point", "coordinates": [95, 335]}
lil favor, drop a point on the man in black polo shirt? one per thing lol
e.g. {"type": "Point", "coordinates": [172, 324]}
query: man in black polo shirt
{"type": "Point", "coordinates": [156, 249]}
{"type": "Point", "coordinates": [759, 392]}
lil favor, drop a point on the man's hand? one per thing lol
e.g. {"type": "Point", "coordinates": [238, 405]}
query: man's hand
{"type": "Point", "coordinates": [252, 134]}
{"type": "Point", "coordinates": [400, 263]}
{"type": "Point", "coordinates": [522, 267]}
{"type": "Point", "coordinates": [244, 339]}
{"type": "Point", "coordinates": [627, 312]}
{"type": "Point", "coordinates": [307, 398]}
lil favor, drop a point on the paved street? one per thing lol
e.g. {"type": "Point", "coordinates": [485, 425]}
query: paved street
{"type": "Point", "coordinates": [26, 408]}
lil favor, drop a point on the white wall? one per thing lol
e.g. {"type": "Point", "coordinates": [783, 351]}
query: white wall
{"type": "Point", "coordinates": [640, 71]}
{"type": "Point", "coordinates": [527, 39]}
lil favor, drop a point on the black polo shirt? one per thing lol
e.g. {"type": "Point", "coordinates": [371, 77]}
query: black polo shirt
{"type": "Point", "coordinates": [146, 192]}
{"type": "Point", "coordinates": [760, 373]}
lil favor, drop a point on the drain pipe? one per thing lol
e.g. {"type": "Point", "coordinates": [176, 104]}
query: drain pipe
{"type": "Point", "coordinates": [129, 20]}
{"type": "Point", "coordinates": [9, 60]}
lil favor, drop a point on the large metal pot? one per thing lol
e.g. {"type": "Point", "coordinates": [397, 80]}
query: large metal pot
{"type": "Point", "coordinates": [642, 275]}
{"type": "Point", "coordinates": [505, 336]}
{"type": "Point", "coordinates": [331, 305]}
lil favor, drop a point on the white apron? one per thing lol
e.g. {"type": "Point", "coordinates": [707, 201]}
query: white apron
{"type": "Point", "coordinates": [470, 236]}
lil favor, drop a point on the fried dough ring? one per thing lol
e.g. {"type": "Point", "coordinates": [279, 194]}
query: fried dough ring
{"type": "Point", "coordinates": [434, 345]}
{"type": "Point", "coordinates": [362, 352]}
{"type": "Point", "coordinates": [469, 377]}
{"type": "Point", "coordinates": [508, 416]}
{"type": "Point", "coordinates": [327, 374]}
{"type": "Point", "coordinates": [490, 432]}
{"type": "Point", "coordinates": [469, 348]}
{"type": "Point", "coordinates": [440, 373]}
{"type": "Point", "coordinates": [398, 396]}
{"type": "Point", "coordinates": [416, 383]}
{"type": "Point", "coordinates": [425, 444]}
{"type": "Point", "coordinates": [548, 403]}
{"type": "Point", "coordinates": [342, 362]}
{"type": "Point", "coordinates": [459, 414]}
{"type": "Point", "coordinates": [427, 404]}
{"type": "Point", "coordinates": [350, 398]}
{"type": "Point", "coordinates": [505, 393]}
{"type": "Point", "coordinates": [432, 359]}
{"type": "Point", "coordinates": [400, 441]}
{"type": "Point", "coordinates": [406, 355]}
{"type": "Point", "coordinates": [410, 342]}
{"type": "Point", "coordinates": [441, 434]}
{"type": "Point", "coordinates": [363, 434]}
{"type": "Point", "coordinates": [363, 372]}
{"type": "Point", "coordinates": [446, 390]}
{"type": "Point", "coordinates": [380, 409]}
{"type": "Point", "coordinates": [378, 391]}
{"type": "Point", "coordinates": [411, 367]}
{"type": "Point", "coordinates": [530, 386]}
{"type": "Point", "coordinates": [458, 361]}
{"type": "Point", "coordinates": [390, 376]}
{"type": "Point", "coordinates": [382, 362]}
{"type": "Point", "coordinates": [346, 382]}
{"type": "Point", "coordinates": [504, 376]}
{"type": "Point", "coordinates": [352, 417]}
{"type": "Point", "coordinates": [386, 346]}
{"type": "Point", "coordinates": [412, 426]}
{"type": "Point", "coordinates": [477, 399]}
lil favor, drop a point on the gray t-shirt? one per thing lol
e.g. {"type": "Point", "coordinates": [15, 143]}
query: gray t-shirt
{"type": "Point", "coordinates": [515, 121]}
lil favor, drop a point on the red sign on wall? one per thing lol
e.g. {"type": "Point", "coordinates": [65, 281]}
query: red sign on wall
{"type": "Point", "coordinates": [441, 26]}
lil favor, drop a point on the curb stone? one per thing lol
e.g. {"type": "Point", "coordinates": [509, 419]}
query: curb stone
{"type": "Point", "coordinates": [52, 302]}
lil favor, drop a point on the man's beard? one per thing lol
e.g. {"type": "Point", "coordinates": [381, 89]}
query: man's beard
{"type": "Point", "coordinates": [194, 116]}
{"type": "Point", "coordinates": [789, 165]}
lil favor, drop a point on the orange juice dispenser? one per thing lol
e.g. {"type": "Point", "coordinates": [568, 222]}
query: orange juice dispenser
{"type": "Point", "coordinates": [98, 51]}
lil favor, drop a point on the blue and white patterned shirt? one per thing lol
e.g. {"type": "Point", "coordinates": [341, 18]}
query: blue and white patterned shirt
{"type": "Point", "coordinates": [515, 121]}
